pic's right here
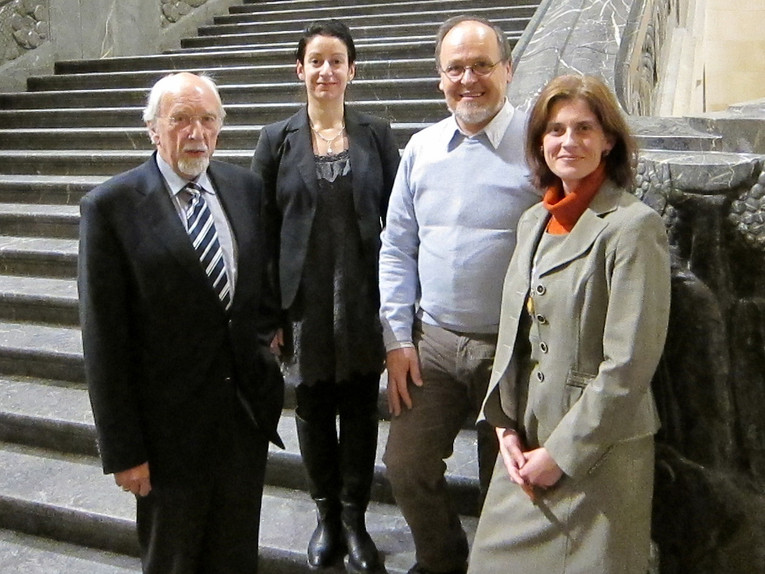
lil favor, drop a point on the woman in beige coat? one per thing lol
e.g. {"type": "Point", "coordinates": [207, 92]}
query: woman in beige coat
{"type": "Point", "coordinates": [584, 317]}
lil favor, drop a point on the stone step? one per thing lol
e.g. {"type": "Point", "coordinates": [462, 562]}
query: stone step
{"type": "Point", "coordinates": [41, 351]}
{"type": "Point", "coordinates": [36, 220]}
{"type": "Point", "coordinates": [391, 70]}
{"type": "Point", "coordinates": [46, 414]}
{"type": "Point", "coordinates": [313, 10]}
{"type": "Point", "coordinates": [373, 52]}
{"type": "Point", "coordinates": [38, 299]}
{"type": "Point", "coordinates": [249, 93]}
{"type": "Point", "coordinates": [414, 37]}
{"type": "Point", "coordinates": [36, 555]}
{"type": "Point", "coordinates": [741, 126]}
{"type": "Point", "coordinates": [38, 256]}
{"type": "Point", "coordinates": [357, 17]}
{"type": "Point", "coordinates": [44, 189]}
{"type": "Point", "coordinates": [68, 498]}
{"type": "Point", "coordinates": [103, 138]}
{"type": "Point", "coordinates": [366, 30]}
{"type": "Point", "coordinates": [232, 137]}
{"type": "Point", "coordinates": [409, 111]}
{"type": "Point", "coordinates": [89, 162]}
{"type": "Point", "coordinates": [675, 134]}
{"type": "Point", "coordinates": [57, 416]}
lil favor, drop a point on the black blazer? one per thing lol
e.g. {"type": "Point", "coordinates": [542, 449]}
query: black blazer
{"type": "Point", "coordinates": [164, 362]}
{"type": "Point", "coordinates": [284, 159]}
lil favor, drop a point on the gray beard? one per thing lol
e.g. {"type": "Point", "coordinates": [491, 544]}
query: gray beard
{"type": "Point", "coordinates": [193, 167]}
{"type": "Point", "coordinates": [470, 114]}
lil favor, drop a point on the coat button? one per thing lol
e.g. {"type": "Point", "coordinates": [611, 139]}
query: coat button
{"type": "Point", "coordinates": [541, 289]}
{"type": "Point", "coordinates": [542, 319]}
{"type": "Point", "coordinates": [540, 376]}
{"type": "Point", "coordinates": [543, 347]}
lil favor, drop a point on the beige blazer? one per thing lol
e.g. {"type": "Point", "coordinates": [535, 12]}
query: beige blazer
{"type": "Point", "coordinates": [600, 312]}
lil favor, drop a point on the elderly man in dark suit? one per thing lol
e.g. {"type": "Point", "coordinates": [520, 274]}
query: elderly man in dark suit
{"type": "Point", "coordinates": [175, 321]}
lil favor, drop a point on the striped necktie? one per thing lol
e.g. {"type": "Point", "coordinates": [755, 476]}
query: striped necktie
{"type": "Point", "coordinates": [204, 238]}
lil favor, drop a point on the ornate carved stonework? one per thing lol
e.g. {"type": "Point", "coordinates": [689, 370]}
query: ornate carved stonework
{"type": "Point", "coordinates": [658, 19]}
{"type": "Point", "coordinates": [748, 214]}
{"type": "Point", "coordinates": [24, 26]}
{"type": "Point", "coordinates": [709, 506]}
{"type": "Point", "coordinates": [174, 10]}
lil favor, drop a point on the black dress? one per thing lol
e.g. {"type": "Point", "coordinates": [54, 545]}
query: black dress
{"type": "Point", "coordinates": [334, 329]}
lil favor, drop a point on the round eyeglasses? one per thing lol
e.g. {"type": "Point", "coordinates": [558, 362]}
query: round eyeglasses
{"type": "Point", "coordinates": [455, 72]}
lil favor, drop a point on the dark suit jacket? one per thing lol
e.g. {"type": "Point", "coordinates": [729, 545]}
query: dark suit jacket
{"type": "Point", "coordinates": [165, 364]}
{"type": "Point", "coordinates": [284, 159]}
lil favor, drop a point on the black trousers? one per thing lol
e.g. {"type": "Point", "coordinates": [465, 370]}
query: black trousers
{"type": "Point", "coordinates": [340, 465]}
{"type": "Point", "coordinates": [209, 525]}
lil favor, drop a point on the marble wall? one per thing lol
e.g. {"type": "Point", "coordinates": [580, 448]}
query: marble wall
{"type": "Point", "coordinates": [733, 33]}
{"type": "Point", "coordinates": [34, 34]}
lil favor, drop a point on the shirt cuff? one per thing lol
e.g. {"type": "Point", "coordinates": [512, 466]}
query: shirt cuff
{"type": "Point", "coordinates": [399, 345]}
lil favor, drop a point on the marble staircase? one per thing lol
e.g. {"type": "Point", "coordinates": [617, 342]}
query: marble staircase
{"type": "Point", "coordinates": [71, 130]}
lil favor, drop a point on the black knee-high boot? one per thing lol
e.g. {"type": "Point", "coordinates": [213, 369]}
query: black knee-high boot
{"type": "Point", "coordinates": [358, 444]}
{"type": "Point", "coordinates": [319, 450]}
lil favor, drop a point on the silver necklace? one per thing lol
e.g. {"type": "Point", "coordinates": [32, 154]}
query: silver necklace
{"type": "Point", "coordinates": [329, 141]}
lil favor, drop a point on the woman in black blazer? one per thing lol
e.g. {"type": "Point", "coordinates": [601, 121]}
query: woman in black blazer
{"type": "Point", "coordinates": [328, 173]}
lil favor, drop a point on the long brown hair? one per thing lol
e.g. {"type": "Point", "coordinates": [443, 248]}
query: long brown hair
{"type": "Point", "coordinates": [621, 160]}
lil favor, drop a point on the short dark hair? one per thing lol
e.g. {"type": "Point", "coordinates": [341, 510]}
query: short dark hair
{"type": "Point", "coordinates": [505, 53]}
{"type": "Point", "coordinates": [620, 161]}
{"type": "Point", "coordinates": [333, 28]}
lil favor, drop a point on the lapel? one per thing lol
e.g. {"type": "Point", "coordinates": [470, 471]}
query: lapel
{"type": "Point", "coordinates": [298, 143]}
{"type": "Point", "coordinates": [532, 228]}
{"type": "Point", "coordinates": [157, 210]}
{"type": "Point", "coordinates": [361, 149]}
{"type": "Point", "coordinates": [590, 225]}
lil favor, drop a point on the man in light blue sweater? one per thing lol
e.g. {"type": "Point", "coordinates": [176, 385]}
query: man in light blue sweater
{"type": "Point", "coordinates": [461, 186]}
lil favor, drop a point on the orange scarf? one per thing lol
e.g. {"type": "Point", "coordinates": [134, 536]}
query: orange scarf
{"type": "Point", "coordinates": [567, 209]}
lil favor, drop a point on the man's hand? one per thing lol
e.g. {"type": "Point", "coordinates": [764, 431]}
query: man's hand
{"type": "Point", "coordinates": [402, 364]}
{"type": "Point", "coordinates": [135, 480]}
{"type": "Point", "coordinates": [277, 342]}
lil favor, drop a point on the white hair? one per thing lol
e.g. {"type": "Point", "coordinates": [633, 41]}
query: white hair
{"type": "Point", "coordinates": [164, 85]}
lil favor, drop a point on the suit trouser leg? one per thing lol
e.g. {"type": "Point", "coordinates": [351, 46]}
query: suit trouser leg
{"type": "Point", "coordinates": [455, 369]}
{"type": "Point", "coordinates": [210, 525]}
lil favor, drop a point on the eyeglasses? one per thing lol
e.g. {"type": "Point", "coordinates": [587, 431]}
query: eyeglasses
{"type": "Point", "coordinates": [185, 120]}
{"type": "Point", "coordinates": [456, 71]}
